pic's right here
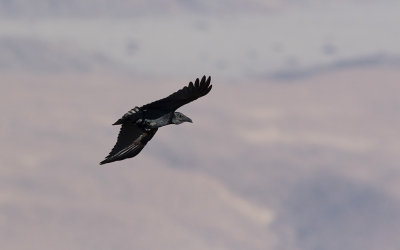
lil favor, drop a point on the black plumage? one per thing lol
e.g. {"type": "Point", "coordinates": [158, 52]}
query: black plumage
{"type": "Point", "coordinates": [139, 125]}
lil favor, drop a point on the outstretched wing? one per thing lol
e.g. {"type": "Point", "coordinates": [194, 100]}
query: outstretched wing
{"type": "Point", "coordinates": [131, 140]}
{"type": "Point", "coordinates": [133, 115]}
{"type": "Point", "coordinates": [181, 97]}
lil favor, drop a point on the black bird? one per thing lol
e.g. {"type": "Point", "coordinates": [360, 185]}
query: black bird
{"type": "Point", "coordinates": [140, 124]}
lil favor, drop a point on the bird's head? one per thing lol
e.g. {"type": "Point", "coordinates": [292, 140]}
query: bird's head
{"type": "Point", "coordinates": [179, 118]}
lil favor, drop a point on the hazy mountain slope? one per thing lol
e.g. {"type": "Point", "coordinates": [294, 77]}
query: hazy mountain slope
{"type": "Point", "coordinates": [143, 208]}
{"type": "Point", "coordinates": [299, 165]}
{"type": "Point", "coordinates": [55, 195]}
{"type": "Point", "coordinates": [131, 8]}
{"type": "Point", "coordinates": [291, 43]}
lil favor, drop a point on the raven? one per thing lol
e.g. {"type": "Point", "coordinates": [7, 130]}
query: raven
{"type": "Point", "coordinates": [140, 124]}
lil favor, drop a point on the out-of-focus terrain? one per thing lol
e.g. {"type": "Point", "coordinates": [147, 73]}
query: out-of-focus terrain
{"type": "Point", "coordinates": [296, 147]}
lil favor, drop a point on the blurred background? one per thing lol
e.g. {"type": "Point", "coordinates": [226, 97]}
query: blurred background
{"type": "Point", "coordinates": [295, 148]}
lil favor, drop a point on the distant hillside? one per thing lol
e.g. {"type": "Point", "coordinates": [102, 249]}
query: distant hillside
{"type": "Point", "coordinates": [28, 54]}
{"type": "Point", "coordinates": [123, 8]}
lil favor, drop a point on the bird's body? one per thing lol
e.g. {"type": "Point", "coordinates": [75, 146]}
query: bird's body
{"type": "Point", "coordinates": [143, 119]}
{"type": "Point", "coordinates": [159, 121]}
{"type": "Point", "coordinates": [139, 125]}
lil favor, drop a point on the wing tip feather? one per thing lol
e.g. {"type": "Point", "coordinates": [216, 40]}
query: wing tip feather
{"type": "Point", "coordinates": [104, 162]}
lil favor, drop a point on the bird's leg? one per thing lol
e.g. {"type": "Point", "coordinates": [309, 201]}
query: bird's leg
{"type": "Point", "coordinates": [143, 123]}
{"type": "Point", "coordinates": [141, 113]}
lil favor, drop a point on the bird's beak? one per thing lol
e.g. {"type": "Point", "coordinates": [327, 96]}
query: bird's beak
{"type": "Point", "coordinates": [187, 119]}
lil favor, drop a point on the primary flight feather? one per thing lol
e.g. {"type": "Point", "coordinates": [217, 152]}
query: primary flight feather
{"type": "Point", "coordinates": [140, 124]}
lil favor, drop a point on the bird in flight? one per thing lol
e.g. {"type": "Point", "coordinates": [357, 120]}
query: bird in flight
{"type": "Point", "coordinates": [140, 124]}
